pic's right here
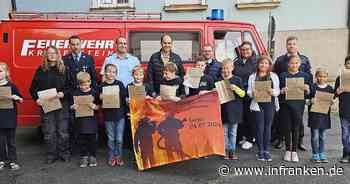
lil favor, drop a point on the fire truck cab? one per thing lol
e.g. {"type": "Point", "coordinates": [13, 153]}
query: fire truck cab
{"type": "Point", "coordinates": [25, 36]}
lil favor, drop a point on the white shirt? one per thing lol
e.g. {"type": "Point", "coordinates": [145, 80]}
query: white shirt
{"type": "Point", "coordinates": [254, 106]}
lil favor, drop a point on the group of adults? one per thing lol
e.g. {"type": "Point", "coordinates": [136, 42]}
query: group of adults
{"type": "Point", "coordinates": [78, 61]}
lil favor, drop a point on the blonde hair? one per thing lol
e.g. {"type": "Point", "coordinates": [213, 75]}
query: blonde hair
{"type": "Point", "coordinates": [227, 61]}
{"type": "Point", "coordinates": [83, 77]}
{"type": "Point", "coordinates": [59, 62]}
{"type": "Point", "coordinates": [7, 71]}
{"type": "Point", "coordinates": [171, 67]}
{"type": "Point", "coordinates": [321, 70]}
{"type": "Point", "coordinates": [137, 68]}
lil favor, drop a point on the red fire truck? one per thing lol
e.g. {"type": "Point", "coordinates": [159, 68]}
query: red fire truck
{"type": "Point", "coordinates": [25, 36]}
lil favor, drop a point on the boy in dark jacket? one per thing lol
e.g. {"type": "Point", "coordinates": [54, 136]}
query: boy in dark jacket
{"type": "Point", "coordinates": [87, 126]}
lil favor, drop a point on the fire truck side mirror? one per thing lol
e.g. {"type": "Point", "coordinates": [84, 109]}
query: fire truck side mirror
{"type": "Point", "coordinates": [5, 37]}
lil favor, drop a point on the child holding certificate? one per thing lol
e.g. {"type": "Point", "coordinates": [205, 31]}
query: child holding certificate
{"type": "Point", "coordinates": [171, 87]}
{"type": "Point", "coordinates": [264, 103]}
{"type": "Point", "coordinates": [8, 114]}
{"type": "Point", "coordinates": [231, 111]}
{"type": "Point", "coordinates": [319, 122]}
{"type": "Point", "coordinates": [85, 104]}
{"type": "Point", "coordinates": [344, 110]}
{"type": "Point", "coordinates": [114, 116]}
{"type": "Point", "coordinates": [295, 86]}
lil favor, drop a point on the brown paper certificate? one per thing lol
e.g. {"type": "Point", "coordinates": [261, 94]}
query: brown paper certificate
{"type": "Point", "coordinates": [224, 91]}
{"type": "Point", "coordinates": [194, 77]}
{"type": "Point", "coordinates": [137, 92]}
{"type": "Point", "coordinates": [295, 88]}
{"type": "Point", "coordinates": [345, 80]}
{"type": "Point", "coordinates": [323, 102]}
{"type": "Point", "coordinates": [83, 109]}
{"type": "Point", "coordinates": [49, 100]}
{"type": "Point", "coordinates": [111, 98]}
{"type": "Point", "coordinates": [5, 94]}
{"type": "Point", "coordinates": [261, 91]}
{"type": "Point", "coordinates": [166, 92]}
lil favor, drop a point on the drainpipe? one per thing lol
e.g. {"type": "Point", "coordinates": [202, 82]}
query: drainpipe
{"type": "Point", "coordinates": [13, 5]}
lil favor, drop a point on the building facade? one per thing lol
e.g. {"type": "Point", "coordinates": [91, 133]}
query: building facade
{"type": "Point", "coordinates": [320, 25]}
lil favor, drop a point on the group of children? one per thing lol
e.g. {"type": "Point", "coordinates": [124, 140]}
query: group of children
{"type": "Point", "coordinates": [51, 75]}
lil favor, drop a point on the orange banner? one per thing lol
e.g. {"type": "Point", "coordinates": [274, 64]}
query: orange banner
{"type": "Point", "coordinates": [165, 132]}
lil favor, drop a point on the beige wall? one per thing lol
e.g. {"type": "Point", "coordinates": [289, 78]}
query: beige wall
{"type": "Point", "coordinates": [325, 48]}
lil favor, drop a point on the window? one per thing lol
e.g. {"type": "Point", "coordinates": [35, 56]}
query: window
{"type": "Point", "coordinates": [174, 2]}
{"type": "Point", "coordinates": [143, 44]}
{"type": "Point", "coordinates": [226, 44]}
{"type": "Point", "coordinates": [185, 5]}
{"type": "Point", "coordinates": [241, 4]}
{"type": "Point", "coordinates": [110, 4]}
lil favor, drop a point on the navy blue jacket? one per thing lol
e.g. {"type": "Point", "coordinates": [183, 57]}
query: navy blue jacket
{"type": "Point", "coordinates": [86, 64]}
{"type": "Point", "coordinates": [344, 102]}
{"type": "Point", "coordinates": [213, 69]}
{"type": "Point", "coordinates": [231, 112]}
{"type": "Point", "coordinates": [86, 125]}
{"type": "Point", "coordinates": [318, 120]}
{"type": "Point", "coordinates": [206, 83]}
{"type": "Point", "coordinates": [9, 116]}
{"type": "Point", "coordinates": [175, 82]}
{"type": "Point", "coordinates": [295, 104]}
{"type": "Point", "coordinates": [117, 113]}
{"type": "Point", "coordinates": [244, 70]}
{"type": "Point", "coordinates": [155, 69]}
{"type": "Point", "coordinates": [281, 65]}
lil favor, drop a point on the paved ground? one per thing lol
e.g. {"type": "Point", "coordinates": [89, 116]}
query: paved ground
{"type": "Point", "coordinates": [195, 171]}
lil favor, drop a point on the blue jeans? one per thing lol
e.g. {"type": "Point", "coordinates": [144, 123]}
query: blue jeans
{"type": "Point", "coordinates": [317, 140]}
{"type": "Point", "coordinates": [345, 134]}
{"type": "Point", "coordinates": [115, 132]}
{"type": "Point", "coordinates": [230, 133]}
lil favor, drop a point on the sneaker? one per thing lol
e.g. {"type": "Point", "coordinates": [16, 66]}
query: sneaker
{"type": "Point", "coordinates": [14, 166]}
{"type": "Point", "coordinates": [260, 156]}
{"type": "Point", "coordinates": [323, 158]}
{"type": "Point", "coordinates": [2, 165]}
{"type": "Point", "coordinates": [315, 158]}
{"type": "Point", "coordinates": [345, 158]}
{"type": "Point", "coordinates": [287, 156]}
{"type": "Point", "coordinates": [112, 162]}
{"type": "Point", "coordinates": [84, 161]}
{"type": "Point", "coordinates": [247, 145]}
{"type": "Point", "coordinates": [295, 157]}
{"type": "Point", "coordinates": [92, 162]}
{"type": "Point", "coordinates": [267, 156]}
{"type": "Point", "coordinates": [232, 155]}
{"type": "Point", "coordinates": [120, 161]}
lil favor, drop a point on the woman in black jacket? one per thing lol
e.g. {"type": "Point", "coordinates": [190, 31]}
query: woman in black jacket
{"type": "Point", "coordinates": [51, 74]}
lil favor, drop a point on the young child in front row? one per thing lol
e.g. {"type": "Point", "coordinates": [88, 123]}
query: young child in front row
{"type": "Point", "coordinates": [87, 126]}
{"type": "Point", "coordinates": [114, 118]}
{"type": "Point", "coordinates": [231, 112]}
{"type": "Point", "coordinates": [292, 110]}
{"type": "Point", "coordinates": [344, 114]}
{"type": "Point", "coordinates": [206, 82]}
{"type": "Point", "coordinates": [138, 74]}
{"type": "Point", "coordinates": [319, 122]}
{"type": "Point", "coordinates": [171, 79]}
{"type": "Point", "coordinates": [8, 154]}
